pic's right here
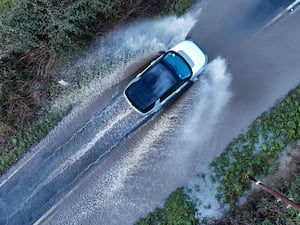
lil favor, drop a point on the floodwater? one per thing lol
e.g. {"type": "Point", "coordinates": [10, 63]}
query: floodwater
{"type": "Point", "coordinates": [263, 61]}
{"type": "Point", "coordinates": [105, 164]}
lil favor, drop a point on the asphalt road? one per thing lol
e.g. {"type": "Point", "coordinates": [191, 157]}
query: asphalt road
{"type": "Point", "coordinates": [108, 165]}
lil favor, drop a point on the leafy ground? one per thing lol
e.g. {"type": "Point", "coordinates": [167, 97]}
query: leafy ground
{"type": "Point", "coordinates": [5, 5]}
{"type": "Point", "coordinates": [177, 211]}
{"type": "Point", "coordinates": [254, 153]}
{"type": "Point", "coordinates": [38, 36]}
{"type": "Point", "coordinates": [262, 208]}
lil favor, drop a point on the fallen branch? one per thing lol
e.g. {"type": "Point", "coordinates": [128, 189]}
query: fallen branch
{"type": "Point", "coordinates": [274, 193]}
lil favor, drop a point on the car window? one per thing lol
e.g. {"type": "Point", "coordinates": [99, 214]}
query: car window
{"type": "Point", "coordinates": [180, 67]}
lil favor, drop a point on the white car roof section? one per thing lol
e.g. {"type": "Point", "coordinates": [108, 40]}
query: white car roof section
{"type": "Point", "coordinates": [192, 53]}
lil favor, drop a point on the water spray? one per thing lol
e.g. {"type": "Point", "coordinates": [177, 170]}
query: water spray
{"type": "Point", "coordinates": [274, 193]}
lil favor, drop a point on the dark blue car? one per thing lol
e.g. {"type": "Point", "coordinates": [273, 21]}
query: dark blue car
{"type": "Point", "coordinates": [165, 77]}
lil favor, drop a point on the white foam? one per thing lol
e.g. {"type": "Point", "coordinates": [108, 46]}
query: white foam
{"type": "Point", "coordinates": [108, 57]}
{"type": "Point", "coordinates": [123, 46]}
{"type": "Point", "coordinates": [213, 96]}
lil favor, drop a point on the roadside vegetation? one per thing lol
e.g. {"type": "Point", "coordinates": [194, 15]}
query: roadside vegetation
{"type": "Point", "coordinates": [177, 210]}
{"type": "Point", "coordinates": [5, 5]}
{"type": "Point", "coordinates": [37, 37]}
{"type": "Point", "coordinates": [256, 153]}
{"type": "Point", "coordinates": [262, 208]}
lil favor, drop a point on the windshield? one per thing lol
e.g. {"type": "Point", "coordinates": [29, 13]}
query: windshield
{"type": "Point", "coordinates": [177, 63]}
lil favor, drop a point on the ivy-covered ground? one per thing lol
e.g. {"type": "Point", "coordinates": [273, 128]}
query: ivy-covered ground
{"type": "Point", "coordinates": [263, 208]}
{"type": "Point", "coordinates": [255, 153]}
{"type": "Point", "coordinates": [178, 210]}
{"type": "Point", "coordinates": [37, 35]}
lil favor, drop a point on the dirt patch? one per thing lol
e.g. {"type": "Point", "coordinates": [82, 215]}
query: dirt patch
{"type": "Point", "coordinates": [289, 161]}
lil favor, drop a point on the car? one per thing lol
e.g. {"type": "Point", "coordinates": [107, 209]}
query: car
{"type": "Point", "coordinates": [166, 77]}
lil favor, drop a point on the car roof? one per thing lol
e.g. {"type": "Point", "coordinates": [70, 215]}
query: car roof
{"type": "Point", "coordinates": [156, 81]}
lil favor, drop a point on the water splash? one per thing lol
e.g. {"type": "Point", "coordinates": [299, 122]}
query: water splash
{"type": "Point", "coordinates": [103, 67]}
{"type": "Point", "coordinates": [209, 99]}
{"type": "Point", "coordinates": [105, 62]}
{"type": "Point", "coordinates": [201, 111]}
{"type": "Point", "coordinates": [156, 161]}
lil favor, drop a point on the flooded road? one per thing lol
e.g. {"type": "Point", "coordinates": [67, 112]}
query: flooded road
{"type": "Point", "coordinates": [150, 162]}
{"type": "Point", "coordinates": [105, 164]}
{"type": "Point", "coordinates": [263, 62]}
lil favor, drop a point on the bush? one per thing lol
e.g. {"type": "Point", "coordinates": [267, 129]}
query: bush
{"type": "Point", "coordinates": [247, 155]}
{"type": "Point", "coordinates": [178, 210]}
{"type": "Point", "coordinates": [252, 154]}
{"type": "Point", "coordinates": [5, 5]}
{"type": "Point", "coordinates": [178, 7]}
{"type": "Point", "coordinates": [38, 35]}
{"type": "Point", "coordinates": [262, 208]}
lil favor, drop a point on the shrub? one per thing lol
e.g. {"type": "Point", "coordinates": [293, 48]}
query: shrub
{"type": "Point", "coordinates": [263, 209]}
{"type": "Point", "coordinates": [277, 127]}
{"type": "Point", "coordinates": [178, 210]}
{"type": "Point", "coordinates": [38, 35]}
{"type": "Point", "coordinates": [5, 5]}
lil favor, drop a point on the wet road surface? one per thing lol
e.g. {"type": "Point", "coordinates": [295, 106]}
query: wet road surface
{"type": "Point", "coordinates": [105, 164]}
